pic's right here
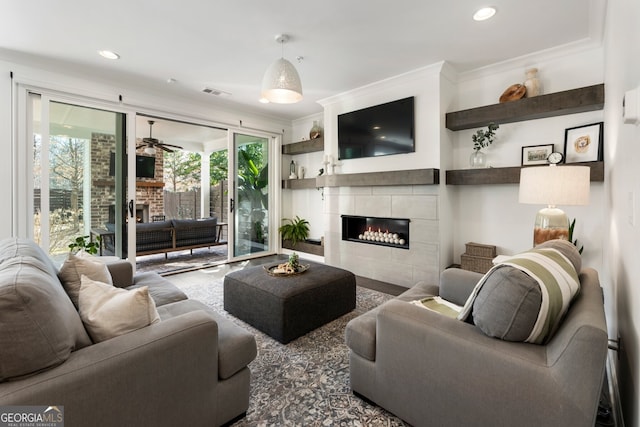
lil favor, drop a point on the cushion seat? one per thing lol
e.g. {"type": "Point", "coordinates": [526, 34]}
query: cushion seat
{"type": "Point", "coordinates": [236, 348]}
{"type": "Point", "coordinates": [162, 291]}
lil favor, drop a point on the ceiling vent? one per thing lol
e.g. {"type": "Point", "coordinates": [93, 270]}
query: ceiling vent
{"type": "Point", "coordinates": [216, 92]}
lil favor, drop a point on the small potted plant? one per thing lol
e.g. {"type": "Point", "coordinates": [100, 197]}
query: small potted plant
{"type": "Point", "coordinates": [296, 230]}
{"type": "Point", "coordinates": [482, 139]}
{"type": "Point", "coordinates": [572, 227]}
{"type": "Point", "coordinates": [85, 243]}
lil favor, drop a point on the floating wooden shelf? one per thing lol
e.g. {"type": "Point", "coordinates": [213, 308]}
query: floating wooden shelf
{"type": "Point", "coordinates": [298, 184]}
{"type": "Point", "coordinates": [149, 184]}
{"type": "Point", "coordinates": [408, 177]}
{"type": "Point", "coordinates": [573, 101]}
{"type": "Point", "coordinates": [508, 175]}
{"type": "Point", "coordinates": [302, 147]}
{"type": "Point", "coordinates": [305, 247]}
{"type": "Point", "coordinates": [111, 183]}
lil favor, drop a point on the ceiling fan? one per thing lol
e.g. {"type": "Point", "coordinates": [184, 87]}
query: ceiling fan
{"type": "Point", "coordinates": [151, 143]}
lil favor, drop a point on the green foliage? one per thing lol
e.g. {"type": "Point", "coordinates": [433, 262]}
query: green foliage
{"type": "Point", "coordinates": [84, 243]}
{"type": "Point", "coordinates": [482, 139]}
{"type": "Point", "coordinates": [219, 161]}
{"type": "Point", "coordinates": [182, 170]}
{"type": "Point", "coordinates": [294, 261]}
{"type": "Point", "coordinates": [297, 230]}
{"type": "Point", "coordinates": [252, 181]}
{"type": "Point", "coordinates": [575, 242]}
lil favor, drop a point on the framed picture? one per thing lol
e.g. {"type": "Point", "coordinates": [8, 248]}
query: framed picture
{"type": "Point", "coordinates": [583, 143]}
{"type": "Point", "coordinates": [536, 154]}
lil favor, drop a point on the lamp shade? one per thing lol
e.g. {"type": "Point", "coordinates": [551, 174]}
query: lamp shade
{"type": "Point", "coordinates": [555, 185]}
{"type": "Point", "coordinates": [281, 83]}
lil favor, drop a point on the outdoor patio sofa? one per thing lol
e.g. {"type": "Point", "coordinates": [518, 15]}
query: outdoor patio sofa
{"type": "Point", "coordinates": [188, 367]}
{"type": "Point", "coordinates": [430, 369]}
{"type": "Point", "coordinates": [168, 236]}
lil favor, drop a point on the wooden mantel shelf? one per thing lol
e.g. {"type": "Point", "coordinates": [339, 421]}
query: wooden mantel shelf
{"type": "Point", "coordinates": [408, 177]}
{"type": "Point", "coordinates": [111, 183]}
{"type": "Point", "coordinates": [508, 175]}
{"type": "Point", "coordinates": [573, 101]}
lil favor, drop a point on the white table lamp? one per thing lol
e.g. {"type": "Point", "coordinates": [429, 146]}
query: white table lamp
{"type": "Point", "coordinates": [552, 186]}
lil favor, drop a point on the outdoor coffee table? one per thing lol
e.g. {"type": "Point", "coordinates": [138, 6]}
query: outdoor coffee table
{"type": "Point", "coordinates": [286, 308]}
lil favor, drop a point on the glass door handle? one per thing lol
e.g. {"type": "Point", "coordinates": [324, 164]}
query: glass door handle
{"type": "Point", "coordinates": [232, 205]}
{"type": "Point", "coordinates": [131, 208]}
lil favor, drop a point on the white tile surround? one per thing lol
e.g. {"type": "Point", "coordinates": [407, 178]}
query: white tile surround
{"type": "Point", "coordinates": [402, 267]}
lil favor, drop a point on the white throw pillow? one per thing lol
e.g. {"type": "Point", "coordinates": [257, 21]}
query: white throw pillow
{"type": "Point", "coordinates": [78, 265]}
{"type": "Point", "coordinates": [108, 311]}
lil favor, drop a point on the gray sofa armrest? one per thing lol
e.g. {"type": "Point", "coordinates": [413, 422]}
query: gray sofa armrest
{"type": "Point", "coordinates": [121, 273]}
{"type": "Point", "coordinates": [456, 284]}
{"type": "Point", "coordinates": [132, 379]}
{"type": "Point", "coordinates": [438, 368]}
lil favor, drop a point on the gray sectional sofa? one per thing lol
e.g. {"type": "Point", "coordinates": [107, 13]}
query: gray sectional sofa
{"type": "Point", "coordinates": [190, 368]}
{"type": "Point", "coordinates": [433, 370]}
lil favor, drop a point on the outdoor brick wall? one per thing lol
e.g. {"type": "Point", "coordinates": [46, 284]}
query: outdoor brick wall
{"type": "Point", "coordinates": [149, 191]}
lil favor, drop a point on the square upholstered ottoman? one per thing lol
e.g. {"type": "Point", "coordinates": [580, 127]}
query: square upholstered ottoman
{"type": "Point", "coordinates": [286, 308]}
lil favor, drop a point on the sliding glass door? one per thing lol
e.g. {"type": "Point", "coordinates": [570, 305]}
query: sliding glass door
{"type": "Point", "coordinates": [250, 202]}
{"type": "Point", "coordinates": [78, 164]}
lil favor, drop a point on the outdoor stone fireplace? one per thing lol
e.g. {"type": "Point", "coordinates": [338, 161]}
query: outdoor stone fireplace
{"type": "Point", "coordinates": [142, 213]}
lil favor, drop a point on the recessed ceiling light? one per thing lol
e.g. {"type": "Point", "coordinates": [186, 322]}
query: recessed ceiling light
{"type": "Point", "coordinates": [484, 13]}
{"type": "Point", "coordinates": [108, 54]}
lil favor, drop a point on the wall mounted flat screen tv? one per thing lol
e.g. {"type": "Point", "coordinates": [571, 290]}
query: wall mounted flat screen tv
{"type": "Point", "coordinates": [381, 130]}
{"type": "Point", "coordinates": [145, 166]}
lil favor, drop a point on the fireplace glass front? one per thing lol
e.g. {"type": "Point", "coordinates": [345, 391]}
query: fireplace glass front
{"type": "Point", "coordinates": [393, 232]}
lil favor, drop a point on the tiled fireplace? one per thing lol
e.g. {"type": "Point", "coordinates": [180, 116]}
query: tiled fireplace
{"type": "Point", "coordinates": [378, 207]}
{"type": "Point", "coordinates": [392, 232]}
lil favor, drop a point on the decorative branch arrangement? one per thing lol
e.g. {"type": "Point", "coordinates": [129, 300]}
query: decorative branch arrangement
{"type": "Point", "coordinates": [482, 139]}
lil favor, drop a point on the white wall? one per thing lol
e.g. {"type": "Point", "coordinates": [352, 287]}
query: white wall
{"type": "Point", "coordinates": [423, 84]}
{"type": "Point", "coordinates": [491, 214]}
{"type": "Point", "coordinates": [622, 157]}
{"type": "Point", "coordinates": [6, 217]}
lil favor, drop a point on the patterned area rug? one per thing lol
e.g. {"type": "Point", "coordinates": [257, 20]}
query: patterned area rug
{"type": "Point", "coordinates": [182, 260]}
{"type": "Point", "coordinates": [306, 382]}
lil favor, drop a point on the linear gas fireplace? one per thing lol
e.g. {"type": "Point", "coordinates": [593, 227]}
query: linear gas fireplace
{"type": "Point", "coordinates": [392, 232]}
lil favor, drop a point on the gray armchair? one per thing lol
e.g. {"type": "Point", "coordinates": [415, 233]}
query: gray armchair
{"type": "Point", "coordinates": [429, 369]}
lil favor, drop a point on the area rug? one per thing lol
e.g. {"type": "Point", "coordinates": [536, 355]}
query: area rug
{"type": "Point", "coordinates": [306, 382]}
{"type": "Point", "coordinates": [182, 260]}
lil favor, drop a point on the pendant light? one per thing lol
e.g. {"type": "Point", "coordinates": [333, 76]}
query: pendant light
{"type": "Point", "coordinates": [281, 82]}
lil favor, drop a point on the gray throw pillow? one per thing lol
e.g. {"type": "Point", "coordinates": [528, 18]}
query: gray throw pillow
{"type": "Point", "coordinates": [508, 304]}
{"type": "Point", "coordinates": [39, 327]}
{"type": "Point", "coordinates": [78, 265]}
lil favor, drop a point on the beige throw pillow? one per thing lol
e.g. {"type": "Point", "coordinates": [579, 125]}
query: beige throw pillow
{"type": "Point", "coordinates": [108, 311]}
{"type": "Point", "coordinates": [78, 265]}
